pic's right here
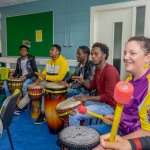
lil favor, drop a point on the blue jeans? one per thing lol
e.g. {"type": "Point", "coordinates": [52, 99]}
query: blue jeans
{"type": "Point", "coordinates": [103, 128]}
{"type": "Point", "coordinates": [73, 92]}
{"type": "Point", "coordinates": [24, 87]}
{"type": "Point", "coordinates": [96, 107]}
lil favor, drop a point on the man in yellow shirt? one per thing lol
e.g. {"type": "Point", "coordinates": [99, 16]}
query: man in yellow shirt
{"type": "Point", "coordinates": [56, 69]}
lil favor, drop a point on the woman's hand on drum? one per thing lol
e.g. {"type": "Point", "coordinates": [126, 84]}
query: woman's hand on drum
{"type": "Point", "coordinates": [119, 144]}
{"type": "Point", "coordinates": [40, 75]}
{"type": "Point", "coordinates": [109, 120]}
{"type": "Point", "coordinates": [81, 98]}
{"type": "Point", "coordinates": [78, 79]}
{"type": "Point", "coordinates": [22, 78]}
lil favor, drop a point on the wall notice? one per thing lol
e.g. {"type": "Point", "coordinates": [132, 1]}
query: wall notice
{"type": "Point", "coordinates": [38, 35]}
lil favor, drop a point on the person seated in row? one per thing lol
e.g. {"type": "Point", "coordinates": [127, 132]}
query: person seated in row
{"type": "Point", "coordinates": [135, 120]}
{"type": "Point", "coordinates": [25, 68]}
{"type": "Point", "coordinates": [105, 78]}
{"type": "Point", "coordinates": [85, 69]}
{"type": "Point", "coordinates": [120, 143]}
{"type": "Point", "coordinates": [56, 69]}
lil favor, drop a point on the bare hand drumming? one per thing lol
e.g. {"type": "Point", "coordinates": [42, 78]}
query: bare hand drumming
{"type": "Point", "coordinates": [22, 78]}
{"type": "Point", "coordinates": [78, 79]}
{"type": "Point", "coordinates": [40, 75]}
{"type": "Point", "coordinates": [64, 83]}
{"type": "Point", "coordinates": [81, 98]}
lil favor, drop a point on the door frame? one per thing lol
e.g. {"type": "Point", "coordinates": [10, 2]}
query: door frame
{"type": "Point", "coordinates": [123, 5]}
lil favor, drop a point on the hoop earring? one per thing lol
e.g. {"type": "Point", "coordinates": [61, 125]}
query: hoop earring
{"type": "Point", "coordinates": [146, 66]}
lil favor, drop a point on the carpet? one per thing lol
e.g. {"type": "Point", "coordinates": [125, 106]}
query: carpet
{"type": "Point", "coordinates": [27, 136]}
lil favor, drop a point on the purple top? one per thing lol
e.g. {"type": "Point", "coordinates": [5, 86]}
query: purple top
{"type": "Point", "coordinates": [130, 120]}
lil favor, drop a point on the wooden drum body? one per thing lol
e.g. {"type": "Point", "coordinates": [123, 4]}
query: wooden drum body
{"type": "Point", "coordinates": [35, 93]}
{"type": "Point", "coordinates": [54, 94]}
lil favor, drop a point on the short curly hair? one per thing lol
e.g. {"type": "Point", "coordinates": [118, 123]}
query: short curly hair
{"type": "Point", "coordinates": [103, 47]}
{"type": "Point", "coordinates": [23, 46]}
{"type": "Point", "coordinates": [57, 47]}
{"type": "Point", "coordinates": [85, 50]}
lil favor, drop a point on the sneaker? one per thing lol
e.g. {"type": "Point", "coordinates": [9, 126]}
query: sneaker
{"type": "Point", "coordinates": [19, 110]}
{"type": "Point", "coordinates": [41, 119]}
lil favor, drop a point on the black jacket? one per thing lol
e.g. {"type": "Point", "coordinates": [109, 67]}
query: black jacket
{"type": "Point", "coordinates": [31, 68]}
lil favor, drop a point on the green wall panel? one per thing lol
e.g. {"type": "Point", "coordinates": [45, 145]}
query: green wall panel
{"type": "Point", "coordinates": [23, 27]}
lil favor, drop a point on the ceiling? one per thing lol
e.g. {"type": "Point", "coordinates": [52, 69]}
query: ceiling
{"type": "Point", "coordinates": [4, 3]}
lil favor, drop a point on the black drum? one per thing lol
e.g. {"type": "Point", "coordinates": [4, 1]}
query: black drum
{"type": "Point", "coordinates": [78, 138]}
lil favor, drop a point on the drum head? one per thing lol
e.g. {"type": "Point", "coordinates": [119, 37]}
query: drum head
{"type": "Point", "coordinates": [54, 86]}
{"type": "Point", "coordinates": [69, 103]}
{"type": "Point", "coordinates": [35, 86]}
{"type": "Point", "coordinates": [14, 79]}
{"type": "Point", "coordinates": [79, 137]}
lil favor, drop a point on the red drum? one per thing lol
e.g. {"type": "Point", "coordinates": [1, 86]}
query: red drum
{"type": "Point", "coordinates": [65, 108]}
{"type": "Point", "coordinates": [78, 138]}
{"type": "Point", "coordinates": [35, 93]}
{"type": "Point", "coordinates": [54, 94]}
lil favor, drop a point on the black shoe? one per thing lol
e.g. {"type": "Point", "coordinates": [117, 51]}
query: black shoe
{"type": "Point", "coordinates": [41, 119]}
{"type": "Point", "coordinates": [19, 110]}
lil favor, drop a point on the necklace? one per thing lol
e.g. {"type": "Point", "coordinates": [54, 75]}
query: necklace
{"type": "Point", "coordinates": [101, 71]}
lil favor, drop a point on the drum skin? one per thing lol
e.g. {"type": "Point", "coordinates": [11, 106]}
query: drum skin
{"type": "Point", "coordinates": [78, 138]}
{"type": "Point", "coordinates": [51, 100]}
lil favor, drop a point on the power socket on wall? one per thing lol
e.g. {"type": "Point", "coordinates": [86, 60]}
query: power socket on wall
{"type": "Point", "coordinates": [68, 44]}
{"type": "Point", "coordinates": [65, 44]}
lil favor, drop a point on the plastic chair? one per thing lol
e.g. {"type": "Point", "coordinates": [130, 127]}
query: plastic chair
{"type": "Point", "coordinates": [7, 112]}
{"type": "Point", "coordinates": [1, 128]}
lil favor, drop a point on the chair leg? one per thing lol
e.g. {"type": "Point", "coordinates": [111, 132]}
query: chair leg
{"type": "Point", "coordinates": [12, 147]}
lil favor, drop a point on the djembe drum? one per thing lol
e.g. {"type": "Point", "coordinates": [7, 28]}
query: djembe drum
{"type": "Point", "coordinates": [65, 108]}
{"type": "Point", "coordinates": [54, 94]}
{"type": "Point", "coordinates": [35, 93]}
{"type": "Point", "coordinates": [78, 138]}
{"type": "Point", "coordinates": [13, 84]}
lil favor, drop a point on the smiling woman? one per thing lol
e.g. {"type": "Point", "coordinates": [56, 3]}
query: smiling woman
{"type": "Point", "coordinates": [135, 120]}
{"type": "Point", "coordinates": [137, 56]}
